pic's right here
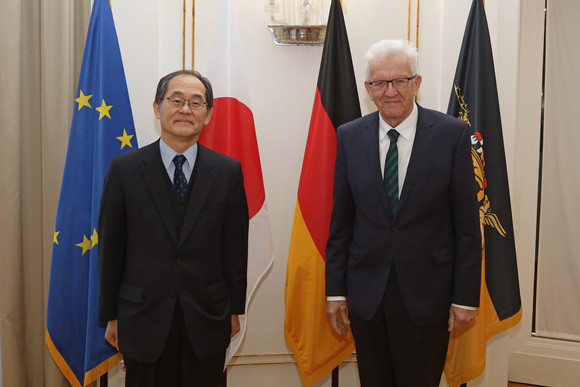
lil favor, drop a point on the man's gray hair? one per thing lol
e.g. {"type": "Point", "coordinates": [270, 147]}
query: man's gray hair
{"type": "Point", "coordinates": [164, 83]}
{"type": "Point", "coordinates": [390, 49]}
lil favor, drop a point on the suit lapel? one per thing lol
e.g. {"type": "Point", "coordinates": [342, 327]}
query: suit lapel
{"type": "Point", "coordinates": [154, 174]}
{"type": "Point", "coordinates": [421, 149]}
{"type": "Point", "coordinates": [371, 145]}
{"type": "Point", "coordinates": [202, 180]}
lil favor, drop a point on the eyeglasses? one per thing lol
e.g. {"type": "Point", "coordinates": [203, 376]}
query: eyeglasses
{"type": "Point", "coordinates": [195, 103]}
{"type": "Point", "coordinates": [399, 83]}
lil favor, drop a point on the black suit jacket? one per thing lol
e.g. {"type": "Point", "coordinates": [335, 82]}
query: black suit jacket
{"type": "Point", "coordinates": [144, 265]}
{"type": "Point", "coordinates": [434, 239]}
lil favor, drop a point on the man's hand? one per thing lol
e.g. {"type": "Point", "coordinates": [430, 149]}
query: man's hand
{"type": "Point", "coordinates": [235, 325]}
{"type": "Point", "coordinates": [111, 334]}
{"type": "Point", "coordinates": [458, 317]}
{"type": "Point", "coordinates": [334, 310]}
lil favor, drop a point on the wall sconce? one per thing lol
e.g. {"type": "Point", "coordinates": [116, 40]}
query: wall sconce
{"type": "Point", "coordinates": [296, 22]}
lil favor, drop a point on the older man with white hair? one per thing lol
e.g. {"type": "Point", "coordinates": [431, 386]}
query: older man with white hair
{"type": "Point", "coordinates": [403, 264]}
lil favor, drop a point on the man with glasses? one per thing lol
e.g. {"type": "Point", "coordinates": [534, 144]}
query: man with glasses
{"type": "Point", "coordinates": [403, 259]}
{"type": "Point", "coordinates": [173, 243]}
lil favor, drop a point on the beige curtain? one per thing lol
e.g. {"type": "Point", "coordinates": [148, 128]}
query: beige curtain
{"type": "Point", "coordinates": [558, 289]}
{"type": "Point", "coordinates": [41, 46]}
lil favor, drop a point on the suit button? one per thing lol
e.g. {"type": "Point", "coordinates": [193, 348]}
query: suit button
{"type": "Point", "coordinates": [394, 230]}
{"type": "Point", "coordinates": [172, 294]}
{"type": "Point", "coordinates": [178, 261]}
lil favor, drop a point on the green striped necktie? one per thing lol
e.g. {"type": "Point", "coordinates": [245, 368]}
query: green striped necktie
{"type": "Point", "coordinates": [392, 171]}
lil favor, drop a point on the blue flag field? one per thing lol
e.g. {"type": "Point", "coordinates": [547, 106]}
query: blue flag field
{"type": "Point", "coordinates": [102, 127]}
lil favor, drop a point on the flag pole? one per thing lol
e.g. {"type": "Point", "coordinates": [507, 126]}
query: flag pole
{"type": "Point", "coordinates": [335, 377]}
{"type": "Point", "coordinates": [104, 379]}
{"type": "Point", "coordinates": [183, 37]}
{"type": "Point", "coordinates": [409, 22]}
{"type": "Point", "coordinates": [417, 27]}
{"type": "Point", "coordinates": [193, 35]}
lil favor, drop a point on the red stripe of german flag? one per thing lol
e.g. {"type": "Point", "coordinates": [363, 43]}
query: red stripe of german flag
{"type": "Point", "coordinates": [316, 348]}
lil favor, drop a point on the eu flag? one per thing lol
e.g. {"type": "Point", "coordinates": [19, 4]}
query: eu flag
{"type": "Point", "coordinates": [102, 127]}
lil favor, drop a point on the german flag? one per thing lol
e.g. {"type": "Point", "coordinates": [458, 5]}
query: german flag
{"type": "Point", "coordinates": [474, 100]}
{"type": "Point", "coordinates": [316, 348]}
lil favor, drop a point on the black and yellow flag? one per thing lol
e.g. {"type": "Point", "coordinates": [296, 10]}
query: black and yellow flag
{"type": "Point", "coordinates": [474, 100]}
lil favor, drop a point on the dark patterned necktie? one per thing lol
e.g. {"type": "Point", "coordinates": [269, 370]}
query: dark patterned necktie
{"type": "Point", "coordinates": [392, 171]}
{"type": "Point", "coordinates": [179, 181]}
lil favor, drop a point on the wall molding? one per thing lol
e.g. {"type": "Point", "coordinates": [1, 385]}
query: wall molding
{"type": "Point", "coordinates": [271, 359]}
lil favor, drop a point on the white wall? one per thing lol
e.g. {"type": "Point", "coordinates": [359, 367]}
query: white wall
{"type": "Point", "coordinates": [282, 83]}
{"type": "Point", "coordinates": [534, 360]}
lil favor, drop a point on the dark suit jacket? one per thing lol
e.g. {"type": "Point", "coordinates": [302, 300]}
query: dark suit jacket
{"type": "Point", "coordinates": [434, 239]}
{"type": "Point", "coordinates": [144, 265]}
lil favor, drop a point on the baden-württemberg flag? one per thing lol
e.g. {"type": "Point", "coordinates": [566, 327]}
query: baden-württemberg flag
{"type": "Point", "coordinates": [102, 126]}
{"type": "Point", "coordinates": [474, 100]}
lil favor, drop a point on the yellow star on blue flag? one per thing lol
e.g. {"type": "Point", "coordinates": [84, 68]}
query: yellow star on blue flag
{"type": "Point", "coordinates": [75, 337]}
{"type": "Point", "coordinates": [83, 100]}
{"type": "Point", "coordinates": [125, 139]}
{"type": "Point", "coordinates": [104, 110]}
{"type": "Point", "coordinates": [85, 244]}
{"type": "Point", "coordinates": [94, 238]}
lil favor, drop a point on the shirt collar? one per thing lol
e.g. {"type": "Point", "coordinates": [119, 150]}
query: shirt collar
{"type": "Point", "coordinates": [405, 128]}
{"type": "Point", "coordinates": [168, 153]}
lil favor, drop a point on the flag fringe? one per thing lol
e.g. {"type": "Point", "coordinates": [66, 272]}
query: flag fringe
{"type": "Point", "coordinates": [477, 370]}
{"type": "Point", "coordinates": [103, 368]}
{"type": "Point", "coordinates": [61, 363]}
{"type": "Point", "coordinates": [503, 325]}
{"type": "Point", "coordinates": [467, 375]}
{"type": "Point", "coordinates": [90, 376]}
